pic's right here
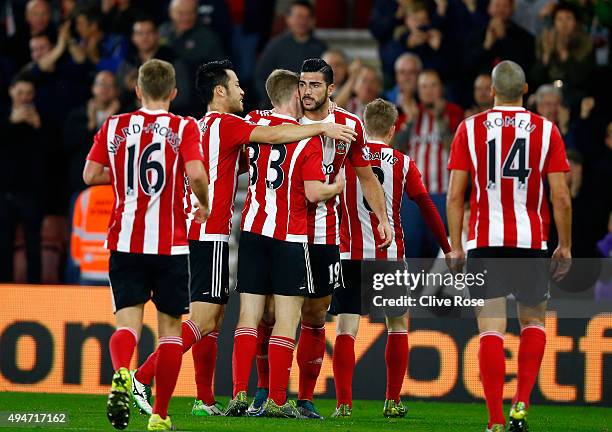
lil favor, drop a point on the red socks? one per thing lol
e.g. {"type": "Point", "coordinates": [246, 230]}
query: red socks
{"type": "Point", "coordinates": [169, 358]}
{"type": "Point", "coordinates": [492, 362]}
{"type": "Point", "coordinates": [531, 351]}
{"type": "Point", "coordinates": [204, 361]}
{"type": "Point", "coordinates": [263, 338]}
{"type": "Point", "coordinates": [245, 347]}
{"type": "Point", "coordinates": [190, 335]}
{"type": "Point", "coordinates": [122, 344]}
{"type": "Point", "coordinates": [396, 360]}
{"type": "Point", "coordinates": [344, 366]}
{"type": "Point", "coordinates": [280, 357]}
{"type": "Point", "coordinates": [310, 353]}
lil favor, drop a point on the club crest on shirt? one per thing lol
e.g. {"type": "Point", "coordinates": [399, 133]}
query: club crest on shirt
{"type": "Point", "coordinates": [341, 147]}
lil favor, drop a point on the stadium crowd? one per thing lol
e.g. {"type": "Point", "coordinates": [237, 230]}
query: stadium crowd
{"type": "Point", "coordinates": [67, 65]}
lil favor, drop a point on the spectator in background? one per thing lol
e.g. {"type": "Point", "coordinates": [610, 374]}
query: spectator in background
{"type": "Point", "coordinates": [548, 101]}
{"type": "Point", "coordinates": [21, 189]}
{"type": "Point", "coordinates": [38, 20]}
{"type": "Point", "coordinates": [383, 20]}
{"type": "Point", "coordinates": [565, 53]}
{"type": "Point", "coordinates": [290, 49]}
{"type": "Point", "coordinates": [426, 139]}
{"type": "Point", "coordinates": [60, 74]}
{"type": "Point", "coordinates": [532, 14]}
{"type": "Point", "coordinates": [483, 99]}
{"type": "Point", "coordinates": [339, 63]}
{"type": "Point", "coordinates": [367, 87]}
{"type": "Point", "coordinates": [191, 41]}
{"type": "Point", "coordinates": [417, 35]}
{"type": "Point", "coordinates": [83, 123]}
{"type": "Point", "coordinates": [408, 66]}
{"type": "Point", "coordinates": [500, 40]}
{"type": "Point", "coordinates": [145, 38]}
{"type": "Point", "coordinates": [119, 16]}
{"type": "Point", "coordinates": [104, 50]}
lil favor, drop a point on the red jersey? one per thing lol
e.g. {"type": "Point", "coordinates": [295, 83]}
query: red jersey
{"type": "Point", "coordinates": [276, 203]}
{"type": "Point", "coordinates": [323, 217]}
{"type": "Point", "coordinates": [223, 135]}
{"type": "Point", "coordinates": [359, 235]}
{"type": "Point", "coordinates": [427, 150]}
{"type": "Point", "coordinates": [508, 151]}
{"type": "Point", "coordinates": [146, 151]}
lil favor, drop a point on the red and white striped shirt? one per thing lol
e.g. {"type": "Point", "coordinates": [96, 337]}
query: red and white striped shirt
{"type": "Point", "coordinates": [359, 235]}
{"type": "Point", "coordinates": [427, 150]}
{"type": "Point", "coordinates": [508, 151]}
{"type": "Point", "coordinates": [146, 151]}
{"type": "Point", "coordinates": [223, 135]}
{"type": "Point", "coordinates": [323, 217]}
{"type": "Point", "coordinates": [276, 203]}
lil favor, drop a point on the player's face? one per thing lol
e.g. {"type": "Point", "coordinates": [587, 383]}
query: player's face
{"type": "Point", "coordinates": [430, 89]}
{"type": "Point", "coordinates": [314, 92]}
{"type": "Point", "coordinates": [235, 94]}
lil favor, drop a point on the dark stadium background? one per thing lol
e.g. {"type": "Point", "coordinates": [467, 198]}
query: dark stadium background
{"type": "Point", "coordinates": [45, 140]}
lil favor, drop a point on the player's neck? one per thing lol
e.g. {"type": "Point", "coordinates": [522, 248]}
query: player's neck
{"type": "Point", "coordinates": [515, 103]}
{"type": "Point", "coordinates": [218, 106]}
{"type": "Point", "coordinates": [380, 139]}
{"type": "Point", "coordinates": [286, 110]}
{"type": "Point", "coordinates": [156, 105]}
{"type": "Point", "coordinates": [319, 114]}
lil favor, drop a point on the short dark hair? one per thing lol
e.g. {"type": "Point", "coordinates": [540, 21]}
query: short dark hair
{"type": "Point", "coordinates": [24, 76]}
{"type": "Point", "coordinates": [209, 76]}
{"type": "Point", "coordinates": [145, 17]}
{"type": "Point", "coordinates": [567, 7]}
{"type": "Point", "coordinates": [302, 3]}
{"type": "Point", "coordinates": [319, 65]}
{"type": "Point", "coordinates": [91, 14]}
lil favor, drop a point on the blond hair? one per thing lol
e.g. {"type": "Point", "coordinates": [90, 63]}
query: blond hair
{"type": "Point", "coordinates": [280, 86]}
{"type": "Point", "coordinates": [379, 117]}
{"type": "Point", "coordinates": [156, 79]}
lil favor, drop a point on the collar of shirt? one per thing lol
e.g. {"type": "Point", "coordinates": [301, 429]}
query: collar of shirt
{"type": "Point", "coordinates": [153, 112]}
{"type": "Point", "coordinates": [508, 108]}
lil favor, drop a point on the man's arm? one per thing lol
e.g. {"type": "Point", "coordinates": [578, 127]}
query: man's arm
{"type": "Point", "coordinates": [454, 213]}
{"type": "Point", "coordinates": [375, 196]}
{"type": "Point", "coordinates": [319, 191]}
{"type": "Point", "coordinates": [562, 212]}
{"type": "Point", "coordinates": [198, 181]}
{"type": "Point", "coordinates": [95, 173]}
{"type": "Point", "coordinates": [287, 133]}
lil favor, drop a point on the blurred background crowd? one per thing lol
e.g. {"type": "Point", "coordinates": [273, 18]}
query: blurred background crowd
{"type": "Point", "coordinates": [67, 65]}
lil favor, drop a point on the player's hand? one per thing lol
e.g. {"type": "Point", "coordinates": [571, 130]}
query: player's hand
{"type": "Point", "coordinates": [560, 263]}
{"type": "Point", "coordinates": [202, 212]}
{"type": "Point", "coordinates": [339, 182]}
{"type": "Point", "coordinates": [455, 260]}
{"type": "Point", "coordinates": [386, 234]}
{"type": "Point", "coordinates": [339, 132]}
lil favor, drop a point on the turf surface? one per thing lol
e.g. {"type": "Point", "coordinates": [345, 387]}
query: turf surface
{"type": "Point", "coordinates": [87, 412]}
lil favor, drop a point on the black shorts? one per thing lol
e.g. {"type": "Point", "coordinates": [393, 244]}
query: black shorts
{"type": "Point", "coordinates": [270, 266]}
{"type": "Point", "coordinates": [209, 271]}
{"type": "Point", "coordinates": [326, 269]}
{"type": "Point", "coordinates": [523, 273]}
{"type": "Point", "coordinates": [358, 295]}
{"type": "Point", "coordinates": [137, 278]}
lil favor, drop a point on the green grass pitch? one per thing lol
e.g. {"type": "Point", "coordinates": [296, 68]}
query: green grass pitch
{"type": "Point", "coordinates": [87, 413]}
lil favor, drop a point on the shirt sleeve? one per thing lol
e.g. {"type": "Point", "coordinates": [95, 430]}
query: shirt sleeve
{"type": "Point", "coordinates": [238, 129]}
{"type": "Point", "coordinates": [358, 150]}
{"type": "Point", "coordinates": [191, 142]}
{"type": "Point", "coordinates": [459, 158]}
{"type": "Point", "coordinates": [556, 160]}
{"type": "Point", "coordinates": [414, 185]}
{"type": "Point", "coordinates": [99, 150]}
{"type": "Point", "coordinates": [312, 165]}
